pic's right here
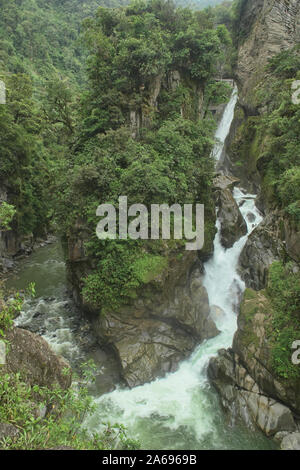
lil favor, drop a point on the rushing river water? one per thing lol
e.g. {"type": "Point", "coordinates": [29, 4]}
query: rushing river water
{"type": "Point", "coordinates": [53, 315]}
{"type": "Point", "coordinates": [181, 410]}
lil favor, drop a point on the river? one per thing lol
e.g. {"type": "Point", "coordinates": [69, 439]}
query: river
{"type": "Point", "coordinates": [181, 410]}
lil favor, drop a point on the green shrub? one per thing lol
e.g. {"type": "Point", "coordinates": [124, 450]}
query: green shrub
{"type": "Point", "coordinates": [284, 292]}
{"type": "Point", "coordinates": [62, 424]}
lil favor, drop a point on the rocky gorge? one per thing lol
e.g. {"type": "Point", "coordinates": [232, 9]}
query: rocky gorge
{"type": "Point", "coordinates": [244, 375]}
{"type": "Point", "coordinates": [175, 330]}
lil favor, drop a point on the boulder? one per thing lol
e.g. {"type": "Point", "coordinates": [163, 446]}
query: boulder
{"type": "Point", "coordinates": [8, 430]}
{"type": "Point", "coordinates": [216, 313]}
{"type": "Point", "coordinates": [225, 182]}
{"type": "Point", "coordinates": [233, 225]}
{"type": "Point", "coordinates": [31, 355]}
{"type": "Point", "coordinates": [291, 442]}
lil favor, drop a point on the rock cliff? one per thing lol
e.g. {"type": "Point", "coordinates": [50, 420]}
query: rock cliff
{"type": "Point", "coordinates": [161, 327]}
{"type": "Point", "coordinates": [244, 376]}
{"type": "Point", "coordinates": [266, 28]}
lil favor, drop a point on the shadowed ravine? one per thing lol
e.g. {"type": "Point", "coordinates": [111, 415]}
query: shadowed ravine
{"type": "Point", "coordinates": [180, 411]}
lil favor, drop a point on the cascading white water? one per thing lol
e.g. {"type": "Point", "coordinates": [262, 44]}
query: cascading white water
{"type": "Point", "coordinates": [224, 126]}
{"type": "Point", "coordinates": [181, 411]}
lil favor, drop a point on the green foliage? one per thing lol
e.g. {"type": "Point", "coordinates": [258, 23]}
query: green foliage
{"type": "Point", "coordinates": [133, 50]}
{"type": "Point", "coordinates": [62, 423]}
{"type": "Point", "coordinates": [10, 306]}
{"type": "Point", "coordinates": [284, 292]}
{"type": "Point", "coordinates": [129, 48]}
{"type": "Point", "coordinates": [147, 267]}
{"type": "Point", "coordinates": [289, 192]}
{"type": "Point", "coordinates": [7, 212]}
{"type": "Point", "coordinates": [23, 157]}
{"type": "Point", "coordinates": [169, 165]}
{"type": "Point", "coordinates": [286, 64]}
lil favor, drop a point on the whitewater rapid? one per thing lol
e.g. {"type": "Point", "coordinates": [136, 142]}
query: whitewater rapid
{"type": "Point", "coordinates": [180, 411]}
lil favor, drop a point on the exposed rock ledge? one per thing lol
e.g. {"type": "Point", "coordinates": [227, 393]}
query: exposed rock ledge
{"type": "Point", "coordinates": [245, 380]}
{"type": "Point", "coordinates": [161, 327]}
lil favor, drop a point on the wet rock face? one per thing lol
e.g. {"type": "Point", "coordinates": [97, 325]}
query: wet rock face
{"type": "Point", "coordinates": [262, 248]}
{"type": "Point", "coordinates": [241, 395]}
{"type": "Point", "coordinates": [161, 328]}
{"type": "Point", "coordinates": [31, 355]}
{"type": "Point", "coordinates": [270, 26]}
{"type": "Point", "coordinates": [233, 225]}
{"type": "Point", "coordinates": [245, 379]}
{"type": "Point", "coordinates": [266, 244]}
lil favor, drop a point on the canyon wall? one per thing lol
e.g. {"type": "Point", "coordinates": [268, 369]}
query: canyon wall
{"type": "Point", "coordinates": [249, 387]}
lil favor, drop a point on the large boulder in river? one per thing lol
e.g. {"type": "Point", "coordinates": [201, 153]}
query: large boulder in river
{"type": "Point", "coordinates": [233, 225]}
{"type": "Point", "coordinates": [31, 356]}
{"type": "Point", "coordinates": [162, 326]}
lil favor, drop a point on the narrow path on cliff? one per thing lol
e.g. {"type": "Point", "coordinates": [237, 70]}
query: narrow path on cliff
{"type": "Point", "coordinates": [181, 411]}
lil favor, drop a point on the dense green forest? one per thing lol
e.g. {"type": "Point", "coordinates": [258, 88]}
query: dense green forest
{"type": "Point", "coordinates": [43, 63]}
{"type": "Point", "coordinates": [167, 158]}
{"type": "Point", "coordinates": [55, 123]}
{"type": "Point", "coordinates": [67, 144]}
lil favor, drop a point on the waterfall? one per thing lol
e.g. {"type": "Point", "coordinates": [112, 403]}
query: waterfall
{"type": "Point", "coordinates": [224, 126]}
{"type": "Point", "coordinates": [181, 411]}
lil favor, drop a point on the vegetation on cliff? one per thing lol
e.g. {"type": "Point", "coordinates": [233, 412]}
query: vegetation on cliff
{"type": "Point", "coordinates": [67, 146]}
{"type": "Point", "coordinates": [269, 142]}
{"type": "Point", "coordinates": [165, 158]}
{"type": "Point", "coordinates": [284, 293]}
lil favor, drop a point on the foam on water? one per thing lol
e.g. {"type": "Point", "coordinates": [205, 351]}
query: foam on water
{"type": "Point", "coordinates": [180, 411]}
